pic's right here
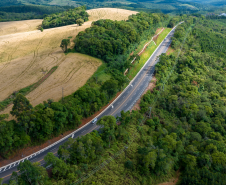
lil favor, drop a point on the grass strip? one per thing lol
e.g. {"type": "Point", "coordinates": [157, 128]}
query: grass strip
{"type": "Point", "coordinates": [137, 65]}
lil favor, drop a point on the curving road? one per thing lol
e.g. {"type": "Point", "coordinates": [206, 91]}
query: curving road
{"type": "Point", "coordinates": [124, 102]}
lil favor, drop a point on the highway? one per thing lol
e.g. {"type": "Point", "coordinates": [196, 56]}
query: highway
{"type": "Point", "coordinates": [125, 102]}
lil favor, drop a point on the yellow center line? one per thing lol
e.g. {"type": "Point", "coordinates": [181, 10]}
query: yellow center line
{"type": "Point", "coordinates": [92, 129]}
{"type": "Point", "coordinates": [8, 175]}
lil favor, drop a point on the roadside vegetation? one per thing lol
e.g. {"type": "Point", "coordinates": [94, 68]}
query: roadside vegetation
{"type": "Point", "coordinates": [138, 64]}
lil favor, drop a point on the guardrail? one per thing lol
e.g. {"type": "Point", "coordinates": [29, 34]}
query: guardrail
{"type": "Point", "coordinates": [16, 163]}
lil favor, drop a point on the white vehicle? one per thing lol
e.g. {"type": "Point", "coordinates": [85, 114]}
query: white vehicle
{"type": "Point", "coordinates": [94, 121]}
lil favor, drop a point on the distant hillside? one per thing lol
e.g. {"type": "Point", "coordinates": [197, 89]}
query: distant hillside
{"type": "Point", "coordinates": [151, 6]}
{"type": "Point", "coordinates": [25, 12]}
{"type": "Point", "coordinates": [9, 2]}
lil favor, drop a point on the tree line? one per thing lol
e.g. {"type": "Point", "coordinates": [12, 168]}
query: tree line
{"type": "Point", "coordinates": [65, 18]}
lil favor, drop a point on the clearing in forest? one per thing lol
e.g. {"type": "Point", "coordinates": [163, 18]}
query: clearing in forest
{"type": "Point", "coordinates": [26, 57]}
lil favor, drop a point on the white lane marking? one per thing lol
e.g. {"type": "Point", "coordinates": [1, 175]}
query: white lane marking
{"type": "Point", "coordinates": [83, 131]}
{"type": "Point", "coordinates": [52, 149]}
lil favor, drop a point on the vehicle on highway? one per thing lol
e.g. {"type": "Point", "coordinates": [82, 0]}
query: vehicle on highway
{"type": "Point", "coordinates": [94, 121]}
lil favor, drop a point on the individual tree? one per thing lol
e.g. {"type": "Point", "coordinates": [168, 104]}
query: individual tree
{"type": "Point", "coordinates": [7, 135]}
{"type": "Point", "coordinates": [60, 168]}
{"type": "Point", "coordinates": [80, 21]}
{"type": "Point", "coordinates": [129, 165]}
{"type": "Point", "coordinates": [108, 128]}
{"type": "Point", "coordinates": [14, 179]}
{"type": "Point", "coordinates": [111, 86]}
{"type": "Point", "coordinates": [64, 44]}
{"type": "Point", "coordinates": [32, 173]}
{"type": "Point", "coordinates": [60, 117]}
{"type": "Point", "coordinates": [23, 111]}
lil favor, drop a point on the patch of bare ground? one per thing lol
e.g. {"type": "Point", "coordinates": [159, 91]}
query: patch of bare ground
{"type": "Point", "coordinates": [170, 50]}
{"type": "Point", "coordinates": [150, 87]}
{"type": "Point", "coordinates": [172, 181]}
{"type": "Point", "coordinates": [158, 30]}
{"type": "Point", "coordinates": [72, 73]}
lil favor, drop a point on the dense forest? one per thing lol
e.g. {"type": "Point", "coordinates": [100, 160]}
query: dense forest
{"type": "Point", "coordinates": [65, 18]}
{"type": "Point", "coordinates": [112, 41]}
{"type": "Point", "coordinates": [184, 131]}
{"type": "Point", "coordinates": [192, 105]}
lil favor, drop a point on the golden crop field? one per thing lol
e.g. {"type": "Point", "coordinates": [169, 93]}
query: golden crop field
{"type": "Point", "coordinates": [26, 56]}
{"type": "Point", "coordinates": [12, 27]}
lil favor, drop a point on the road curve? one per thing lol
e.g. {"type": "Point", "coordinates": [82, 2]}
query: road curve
{"type": "Point", "coordinates": [125, 102]}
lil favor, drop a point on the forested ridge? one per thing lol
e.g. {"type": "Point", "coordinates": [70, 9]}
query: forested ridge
{"type": "Point", "coordinates": [65, 18]}
{"type": "Point", "coordinates": [185, 130]}
{"type": "Point", "coordinates": [113, 41]}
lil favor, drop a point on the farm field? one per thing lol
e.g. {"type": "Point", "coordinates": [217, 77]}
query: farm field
{"type": "Point", "coordinates": [12, 27]}
{"type": "Point", "coordinates": [26, 57]}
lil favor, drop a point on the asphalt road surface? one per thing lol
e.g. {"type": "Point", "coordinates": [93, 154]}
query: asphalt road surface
{"type": "Point", "coordinates": [124, 102]}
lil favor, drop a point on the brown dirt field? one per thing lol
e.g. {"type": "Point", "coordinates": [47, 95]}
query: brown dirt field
{"type": "Point", "coordinates": [172, 181]}
{"type": "Point", "coordinates": [170, 50]}
{"type": "Point", "coordinates": [158, 30]}
{"type": "Point", "coordinates": [72, 73]}
{"type": "Point", "coordinates": [25, 57]}
{"type": "Point", "coordinates": [12, 27]}
{"type": "Point", "coordinates": [150, 87]}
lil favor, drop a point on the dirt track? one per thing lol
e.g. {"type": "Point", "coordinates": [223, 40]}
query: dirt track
{"type": "Point", "coordinates": [26, 56]}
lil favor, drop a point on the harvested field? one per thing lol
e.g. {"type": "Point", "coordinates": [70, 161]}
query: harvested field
{"type": "Point", "coordinates": [26, 57]}
{"type": "Point", "coordinates": [12, 27]}
{"type": "Point", "coordinates": [109, 13]}
{"type": "Point", "coordinates": [72, 73]}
